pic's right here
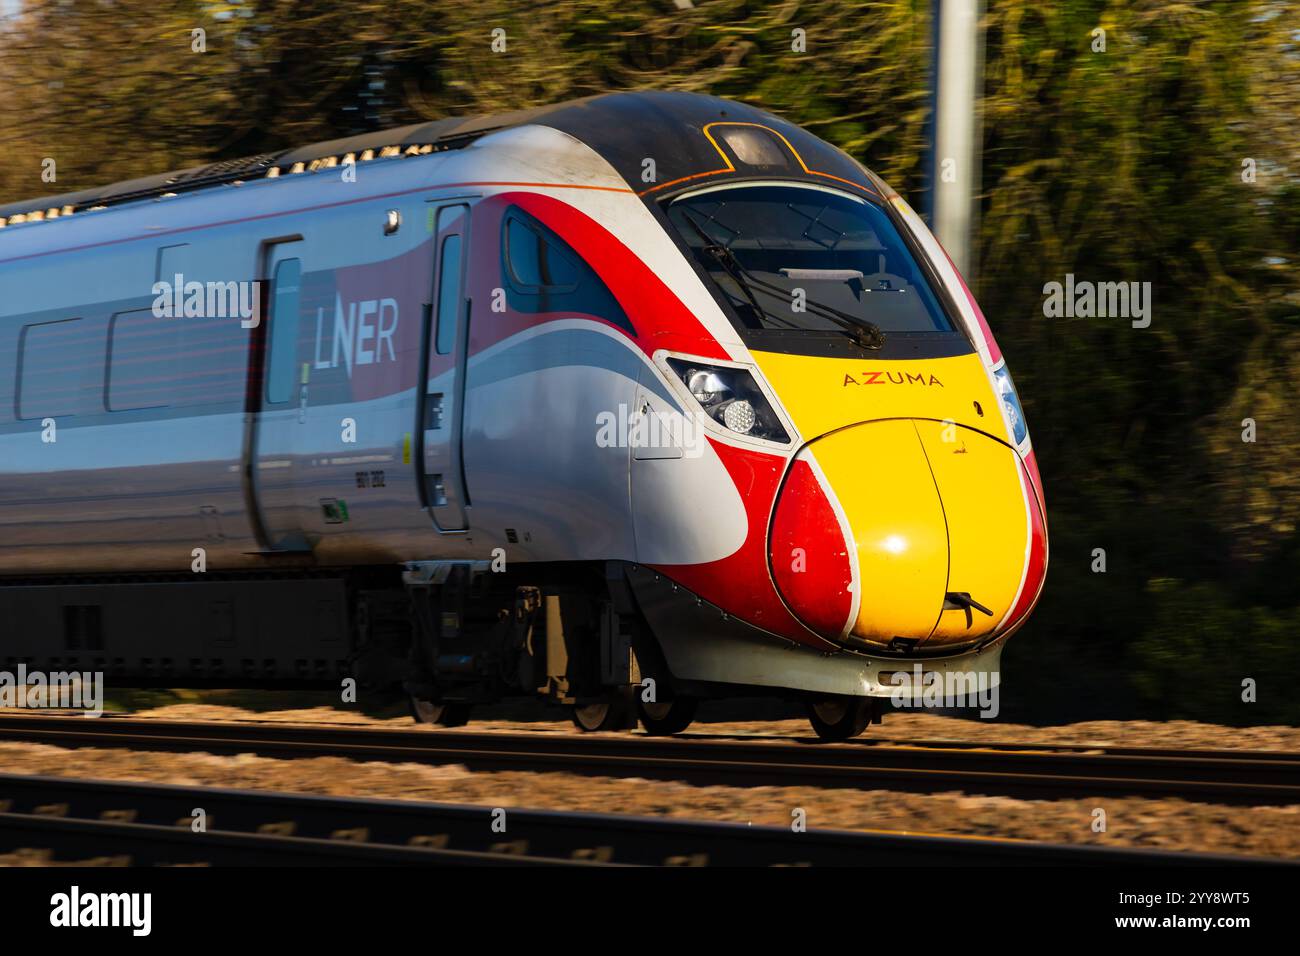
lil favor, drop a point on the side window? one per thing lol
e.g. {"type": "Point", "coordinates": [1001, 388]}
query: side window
{"type": "Point", "coordinates": [522, 254]}
{"type": "Point", "coordinates": [448, 293]}
{"type": "Point", "coordinates": [54, 358]}
{"type": "Point", "coordinates": [142, 360]}
{"type": "Point", "coordinates": [536, 261]}
{"type": "Point", "coordinates": [163, 362]}
{"type": "Point", "coordinates": [283, 348]}
{"type": "Point", "coordinates": [215, 362]}
{"type": "Point", "coordinates": [545, 275]}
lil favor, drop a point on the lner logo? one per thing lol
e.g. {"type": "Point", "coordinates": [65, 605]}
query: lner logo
{"type": "Point", "coordinates": [362, 334]}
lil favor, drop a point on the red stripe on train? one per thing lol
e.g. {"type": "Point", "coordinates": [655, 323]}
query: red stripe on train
{"type": "Point", "coordinates": [659, 317]}
{"type": "Point", "coordinates": [810, 559]}
{"type": "Point", "coordinates": [741, 583]}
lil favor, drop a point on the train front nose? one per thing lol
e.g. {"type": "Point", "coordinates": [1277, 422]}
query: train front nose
{"type": "Point", "coordinates": [901, 533]}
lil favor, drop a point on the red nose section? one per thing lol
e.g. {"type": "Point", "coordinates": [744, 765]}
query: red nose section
{"type": "Point", "coordinates": [810, 560]}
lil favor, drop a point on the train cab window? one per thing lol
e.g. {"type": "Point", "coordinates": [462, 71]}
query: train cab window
{"type": "Point", "coordinates": [537, 262]}
{"type": "Point", "coordinates": [283, 348]}
{"type": "Point", "coordinates": [765, 245]}
{"type": "Point", "coordinates": [545, 274]}
{"type": "Point", "coordinates": [54, 361]}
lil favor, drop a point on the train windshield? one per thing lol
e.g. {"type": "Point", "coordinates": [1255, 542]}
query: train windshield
{"type": "Point", "coordinates": [807, 258]}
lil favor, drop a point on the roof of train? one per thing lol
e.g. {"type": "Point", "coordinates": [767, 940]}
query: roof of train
{"type": "Point", "coordinates": [625, 128]}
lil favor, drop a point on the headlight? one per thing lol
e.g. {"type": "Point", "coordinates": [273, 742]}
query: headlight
{"type": "Point", "coordinates": [707, 387]}
{"type": "Point", "coordinates": [1011, 404]}
{"type": "Point", "coordinates": [731, 397]}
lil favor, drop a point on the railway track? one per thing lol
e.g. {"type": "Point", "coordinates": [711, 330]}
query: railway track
{"type": "Point", "coordinates": [151, 824]}
{"type": "Point", "coordinates": [1220, 777]}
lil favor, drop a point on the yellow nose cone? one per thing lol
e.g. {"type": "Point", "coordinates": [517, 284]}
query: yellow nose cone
{"type": "Point", "coordinates": [931, 509]}
{"type": "Point", "coordinates": [882, 480]}
{"type": "Point", "coordinates": [985, 504]}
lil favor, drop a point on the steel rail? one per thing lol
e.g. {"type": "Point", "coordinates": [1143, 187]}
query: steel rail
{"type": "Point", "coordinates": [1268, 779]}
{"type": "Point", "coordinates": [147, 823]}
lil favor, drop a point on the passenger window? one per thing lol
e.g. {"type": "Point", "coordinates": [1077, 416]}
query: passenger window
{"type": "Point", "coordinates": [164, 362]}
{"type": "Point", "coordinates": [53, 360]}
{"type": "Point", "coordinates": [142, 360]}
{"type": "Point", "coordinates": [448, 294]}
{"type": "Point", "coordinates": [283, 349]}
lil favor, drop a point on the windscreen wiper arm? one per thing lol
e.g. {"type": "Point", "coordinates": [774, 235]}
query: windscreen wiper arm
{"type": "Point", "coordinates": [727, 259]}
{"type": "Point", "coordinates": [865, 333]}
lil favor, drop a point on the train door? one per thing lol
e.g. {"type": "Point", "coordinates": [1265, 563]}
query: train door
{"type": "Point", "coordinates": [277, 401]}
{"type": "Point", "coordinates": [442, 388]}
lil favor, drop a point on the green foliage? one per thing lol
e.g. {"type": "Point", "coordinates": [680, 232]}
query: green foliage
{"type": "Point", "coordinates": [1187, 658]}
{"type": "Point", "coordinates": [1123, 165]}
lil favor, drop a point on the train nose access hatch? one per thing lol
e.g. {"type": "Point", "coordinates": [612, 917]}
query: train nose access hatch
{"type": "Point", "coordinates": [922, 541]}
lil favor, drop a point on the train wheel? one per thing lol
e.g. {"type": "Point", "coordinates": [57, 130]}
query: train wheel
{"type": "Point", "coordinates": [839, 718]}
{"type": "Point", "coordinates": [608, 714]}
{"type": "Point", "coordinates": [667, 716]}
{"type": "Point", "coordinates": [454, 714]}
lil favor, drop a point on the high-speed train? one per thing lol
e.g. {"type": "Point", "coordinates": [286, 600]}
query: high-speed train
{"type": "Point", "coordinates": [629, 402]}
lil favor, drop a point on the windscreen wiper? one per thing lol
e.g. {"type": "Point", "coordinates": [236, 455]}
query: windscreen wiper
{"type": "Point", "coordinates": [865, 333]}
{"type": "Point", "coordinates": [727, 259]}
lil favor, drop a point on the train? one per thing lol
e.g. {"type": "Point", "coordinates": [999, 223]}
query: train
{"type": "Point", "coordinates": [629, 402]}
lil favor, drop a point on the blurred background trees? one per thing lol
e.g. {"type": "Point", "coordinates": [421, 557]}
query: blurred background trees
{"type": "Point", "coordinates": [1122, 165]}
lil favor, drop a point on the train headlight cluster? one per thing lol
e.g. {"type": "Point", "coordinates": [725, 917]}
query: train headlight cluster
{"type": "Point", "coordinates": [707, 387]}
{"type": "Point", "coordinates": [731, 397]}
{"type": "Point", "coordinates": [1011, 404]}
{"type": "Point", "coordinates": [739, 416]}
